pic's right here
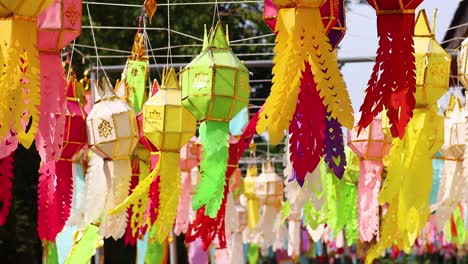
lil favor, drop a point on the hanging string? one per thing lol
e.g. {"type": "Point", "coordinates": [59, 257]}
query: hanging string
{"type": "Point", "coordinates": [215, 11]}
{"type": "Point", "coordinates": [169, 49]}
{"type": "Point", "coordinates": [71, 59]}
{"type": "Point", "coordinates": [98, 61]}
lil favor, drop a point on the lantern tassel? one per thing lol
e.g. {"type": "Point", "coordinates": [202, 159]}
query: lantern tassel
{"type": "Point", "coordinates": [334, 153]}
{"type": "Point", "coordinates": [96, 188]}
{"type": "Point", "coordinates": [169, 186]}
{"type": "Point", "coordinates": [307, 129]}
{"type": "Point", "coordinates": [6, 186]}
{"type": "Point", "coordinates": [130, 237]}
{"type": "Point", "coordinates": [214, 137]}
{"type": "Point", "coordinates": [153, 201]}
{"type": "Point", "coordinates": [120, 171]}
{"type": "Point", "coordinates": [47, 213]}
{"type": "Point", "coordinates": [9, 144]}
{"type": "Point", "coordinates": [183, 211]}
{"type": "Point", "coordinates": [64, 191]}
{"type": "Point", "coordinates": [393, 81]}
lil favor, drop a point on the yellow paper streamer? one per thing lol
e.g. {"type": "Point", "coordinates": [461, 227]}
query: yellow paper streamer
{"type": "Point", "coordinates": [19, 82]}
{"type": "Point", "coordinates": [169, 193]}
{"type": "Point", "coordinates": [300, 38]}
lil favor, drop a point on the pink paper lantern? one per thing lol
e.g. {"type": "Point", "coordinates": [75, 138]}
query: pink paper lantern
{"type": "Point", "coordinates": [371, 145]}
{"type": "Point", "coordinates": [59, 25]}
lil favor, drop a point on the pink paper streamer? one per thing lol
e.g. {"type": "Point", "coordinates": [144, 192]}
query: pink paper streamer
{"type": "Point", "coordinates": [183, 211]}
{"type": "Point", "coordinates": [196, 253]}
{"type": "Point", "coordinates": [368, 206]}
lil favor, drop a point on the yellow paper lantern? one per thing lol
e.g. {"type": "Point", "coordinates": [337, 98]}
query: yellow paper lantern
{"type": "Point", "coordinates": [462, 62]}
{"type": "Point", "coordinates": [432, 64]}
{"type": "Point", "coordinates": [253, 205]}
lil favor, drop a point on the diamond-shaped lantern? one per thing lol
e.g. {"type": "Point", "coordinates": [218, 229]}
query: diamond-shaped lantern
{"type": "Point", "coordinates": [215, 87]}
{"type": "Point", "coordinates": [432, 64]}
{"type": "Point", "coordinates": [269, 186]}
{"type": "Point", "coordinates": [111, 125]}
{"type": "Point", "coordinates": [59, 26]}
{"type": "Point", "coordinates": [216, 83]}
{"type": "Point", "coordinates": [113, 134]}
{"type": "Point", "coordinates": [462, 62]}
{"type": "Point", "coordinates": [75, 136]}
{"type": "Point", "coordinates": [371, 145]}
{"type": "Point", "coordinates": [167, 124]}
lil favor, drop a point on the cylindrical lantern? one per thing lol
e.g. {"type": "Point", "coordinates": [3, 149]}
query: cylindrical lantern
{"type": "Point", "coordinates": [371, 145]}
{"type": "Point", "coordinates": [304, 59]}
{"type": "Point", "coordinates": [269, 191]}
{"type": "Point", "coordinates": [215, 87]}
{"type": "Point", "coordinates": [113, 134]}
{"type": "Point", "coordinates": [392, 84]}
{"type": "Point", "coordinates": [462, 62]}
{"type": "Point", "coordinates": [253, 205]}
{"type": "Point", "coordinates": [169, 126]}
{"type": "Point", "coordinates": [19, 63]}
{"type": "Point", "coordinates": [57, 26]}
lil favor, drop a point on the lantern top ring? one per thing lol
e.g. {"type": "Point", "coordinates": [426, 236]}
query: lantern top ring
{"type": "Point", "coordinates": [12, 16]}
{"type": "Point", "coordinates": [395, 11]}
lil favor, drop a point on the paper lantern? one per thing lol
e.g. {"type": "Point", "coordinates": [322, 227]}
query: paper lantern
{"type": "Point", "coordinates": [169, 126]}
{"type": "Point", "coordinates": [313, 45]}
{"type": "Point", "coordinates": [371, 145]}
{"type": "Point", "coordinates": [19, 61]}
{"type": "Point", "coordinates": [135, 73]}
{"type": "Point", "coordinates": [253, 205]}
{"type": "Point", "coordinates": [333, 18]}
{"type": "Point", "coordinates": [432, 64]}
{"type": "Point", "coordinates": [392, 84]}
{"type": "Point", "coordinates": [215, 87]}
{"type": "Point", "coordinates": [113, 134]}
{"type": "Point", "coordinates": [462, 61]}
{"type": "Point", "coordinates": [269, 191]}
{"type": "Point", "coordinates": [408, 198]}
{"type": "Point", "coordinates": [57, 26]}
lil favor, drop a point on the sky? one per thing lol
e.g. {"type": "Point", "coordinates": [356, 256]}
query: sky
{"type": "Point", "coordinates": [361, 40]}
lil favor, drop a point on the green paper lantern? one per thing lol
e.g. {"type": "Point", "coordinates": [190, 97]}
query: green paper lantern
{"type": "Point", "coordinates": [215, 88]}
{"type": "Point", "coordinates": [215, 85]}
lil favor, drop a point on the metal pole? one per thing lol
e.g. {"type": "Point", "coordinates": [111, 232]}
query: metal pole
{"type": "Point", "coordinates": [173, 247]}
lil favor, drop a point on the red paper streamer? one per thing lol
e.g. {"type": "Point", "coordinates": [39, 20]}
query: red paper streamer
{"type": "Point", "coordinates": [47, 225]}
{"type": "Point", "coordinates": [64, 192]}
{"type": "Point", "coordinates": [6, 184]}
{"type": "Point", "coordinates": [307, 128]}
{"type": "Point", "coordinates": [130, 239]}
{"type": "Point", "coordinates": [393, 81]}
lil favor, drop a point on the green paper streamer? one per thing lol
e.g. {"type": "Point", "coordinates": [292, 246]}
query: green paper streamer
{"type": "Point", "coordinates": [460, 227]}
{"type": "Point", "coordinates": [253, 254]}
{"type": "Point", "coordinates": [135, 79]}
{"type": "Point", "coordinates": [154, 250]}
{"type": "Point", "coordinates": [285, 210]}
{"type": "Point", "coordinates": [50, 255]}
{"type": "Point", "coordinates": [214, 137]}
{"type": "Point", "coordinates": [82, 252]}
